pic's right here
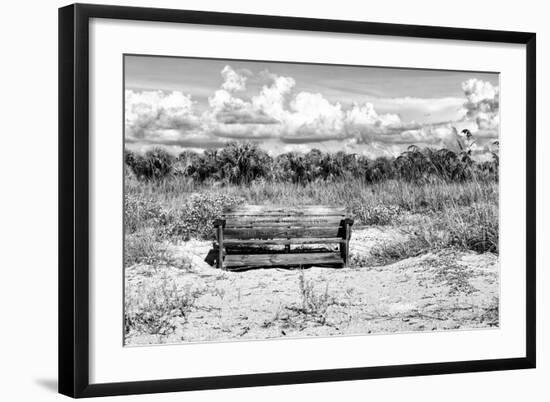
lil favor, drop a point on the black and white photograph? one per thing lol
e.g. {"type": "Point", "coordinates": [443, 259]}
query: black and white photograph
{"type": "Point", "coordinates": [275, 201]}
{"type": "Point", "coordinates": [271, 200]}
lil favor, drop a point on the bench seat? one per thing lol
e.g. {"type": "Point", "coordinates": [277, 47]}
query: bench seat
{"type": "Point", "coordinates": [234, 262]}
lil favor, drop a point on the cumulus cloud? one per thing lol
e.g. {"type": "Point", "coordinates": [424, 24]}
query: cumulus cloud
{"type": "Point", "coordinates": [227, 108]}
{"type": "Point", "coordinates": [482, 105]}
{"type": "Point", "coordinates": [232, 80]}
{"type": "Point", "coordinates": [365, 124]}
{"type": "Point", "coordinates": [311, 114]}
{"type": "Point", "coordinates": [282, 116]}
{"type": "Point", "coordinates": [272, 97]}
{"type": "Point", "coordinates": [478, 112]}
{"type": "Point", "coordinates": [158, 114]}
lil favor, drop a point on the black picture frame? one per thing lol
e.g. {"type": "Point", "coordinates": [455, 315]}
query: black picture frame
{"type": "Point", "coordinates": [74, 205]}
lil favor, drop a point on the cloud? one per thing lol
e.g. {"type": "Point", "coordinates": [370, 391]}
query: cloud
{"type": "Point", "coordinates": [363, 122]}
{"type": "Point", "coordinates": [482, 105]}
{"type": "Point", "coordinates": [244, 131]}
{"type": "Point", "coordinates": [244, 116]}
{"type": "Point", "coordinates": [158, 113]}
{"type": "Point", "coordinates": [280, 116]}
{"type": "Point", "coordinates": [479, 113]}
{"type": "Point", "coordinates": [232, 80]}
{"type": "Point", "coordinates": [272, 98]}
{"type": "Point", "coordinates": [226, 108]}
{"type": "Point", "coordinates": [313, 114]}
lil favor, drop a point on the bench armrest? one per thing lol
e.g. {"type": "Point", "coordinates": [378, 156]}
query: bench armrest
{"type": "Point", "coordinates": [219, 224]}
{"type": "Point", "coordinates": [346, 235]}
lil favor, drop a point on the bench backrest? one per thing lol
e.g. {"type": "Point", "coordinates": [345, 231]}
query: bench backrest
{"type": "Point", "coordinates": [269, 222]}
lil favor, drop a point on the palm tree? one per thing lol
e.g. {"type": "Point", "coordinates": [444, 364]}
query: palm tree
{"type": "Point", "coordinates": [240, 163]}
{"type": "Point", "coordinates": [414, 165]}
{"type": "Point", "coordinates": [313, 164]}
{"type": "Point", "coordinates": [380, 169]}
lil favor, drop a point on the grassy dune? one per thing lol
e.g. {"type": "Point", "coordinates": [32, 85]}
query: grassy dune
{"type": "Point", "coordinates": [437, 215]}
{"type": "Point", "coordinates": [428, 226]}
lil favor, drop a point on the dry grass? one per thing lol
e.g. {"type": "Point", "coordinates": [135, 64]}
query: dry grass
{"type": "Point", "coordinates": [314, 303]}
{"type": "Point", "coordinates": [462, 215]}
{"type": "Point", "coordinates": [157, 307]}
{"type": "Point", "coordinates": [434, 218]}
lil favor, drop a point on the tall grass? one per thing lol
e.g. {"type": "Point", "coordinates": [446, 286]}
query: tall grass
{"type": "Point", "coordinates": [350, 192]}
{"type": "Point", "coordinates": [457, 214]}
{"type": "Point", "coordinates": [155, 307]}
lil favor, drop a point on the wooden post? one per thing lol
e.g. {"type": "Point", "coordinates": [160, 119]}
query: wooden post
{"type": "Point", "coordinates": [347, 236]}
{"type": "Point", "coordinates": [220, 224]}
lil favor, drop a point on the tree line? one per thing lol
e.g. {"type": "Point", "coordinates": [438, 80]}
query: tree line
{"type": "Point", "coordinates": [241, 163]}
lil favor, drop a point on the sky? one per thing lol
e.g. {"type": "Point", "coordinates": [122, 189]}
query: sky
{"type": "Point", "coordinates": [190, 103]}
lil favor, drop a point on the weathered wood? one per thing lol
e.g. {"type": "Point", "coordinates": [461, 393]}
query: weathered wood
{"type": "Point", "coordinates": [301, 209]}
{"type": "Point", "coordinates": [246, 231]}
{"type": "Point", "coordinates": [275, 213]}
{"type": "Point", "coordinates": [283, 220]}
{"type": "Point", "coordinates": [282, 225]}
{"type": "Point", "coordinates": [344, 248]}
{"type": "Point", "coordinates": [292, 259]}
{"type": "Point", "coordinates": [255, 210]}
{"type": "Point", "coordinates": [219, 224]}
{"type": "Point", "coordinates": [275, 242]}
{"type": "Point", "coordinates": [281, 233]}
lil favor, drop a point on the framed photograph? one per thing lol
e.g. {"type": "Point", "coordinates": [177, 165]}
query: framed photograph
{"type": "Point", "coordinates": [250, 200]}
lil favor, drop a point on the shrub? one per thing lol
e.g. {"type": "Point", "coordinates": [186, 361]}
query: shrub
{"type": "Point", "coordinates": [139, 212]}
{"type": "Point", "coordinates": [396, 251]}
{"type": "Point", "coordinates": [156, 164]}
{"type": "Point", "coordinates": [144, 248]}
{"type": "Point", "coordinates": [377, 214]}
{"type": "Point", "coordinates": [243, 162]}
{"type": "Point", "coordinates": [195, 218]}
{"type": "Point", "coordinates": [474, 228]}
{"type": "Point", "coordinates": [155, 308]}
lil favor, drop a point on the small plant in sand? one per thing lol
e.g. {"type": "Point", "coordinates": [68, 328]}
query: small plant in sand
{"type": "Point", "coordinates": [314, 303]}
{"type": "Point", "coordinates": [156, 308]}
{"type": "Point", "coordinates": [142, 248]}
{"type": "Point", "coordinates": [389, 253]}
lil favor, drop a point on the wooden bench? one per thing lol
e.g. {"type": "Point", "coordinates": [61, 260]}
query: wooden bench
{"type": "Point", "coordinates": [246, 237]}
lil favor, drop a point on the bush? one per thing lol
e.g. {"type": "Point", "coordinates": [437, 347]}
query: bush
{"type": "Point", "coordinates": [140, 213]}
{"type": "Point", "coordinates": [195, 218]}
{"type": "Point", "coordinates": [396, 251]}
{"type": "Point", "coordinates": [144, 248]}
{"type": "Point", "coordinates": [155, 308]}
{"type": "Point", "coordinates": [243, 162]}
{"type": "Point", "coordinates": [155, 164]}
{"type": "Point", "coordinates": [474, 228]}
{"type": "Point", "coordinates": [377, 214]}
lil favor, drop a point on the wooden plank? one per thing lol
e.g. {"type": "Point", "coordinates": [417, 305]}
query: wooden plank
{"type": "Point", "coordinates": [281, 233]}
{"type": "Point", "coordinates": [308, 220]}
{"type": "Point", "coordinates": [278, 225]}
{"type": "Point", "coordinates": [285, 211]}
{"type": "Point", "coordinates": [267, 206]}
{"type": "Point", "coordinates": [283, 208]}
{"type": "Point", "coordinates": [281, 214]}
{"type": "Point", "coordinates": [273, 242]}
{"type": "Point", "coordinates": [235, 261]}
{"type": "Point", "coordinates": [288, 210]}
